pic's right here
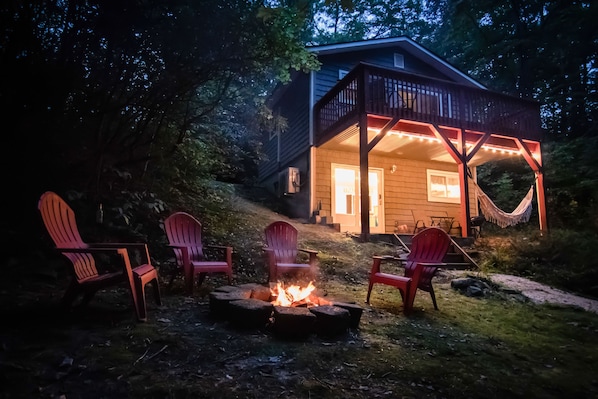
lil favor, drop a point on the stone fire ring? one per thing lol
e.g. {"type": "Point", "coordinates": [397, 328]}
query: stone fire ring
{"type": "Point", "coordinates": [249, 306]}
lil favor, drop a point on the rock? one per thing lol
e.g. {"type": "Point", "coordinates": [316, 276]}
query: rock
{"type": "Point", "coordinates": [219, 301]}
{"type": "Point", "coordinates": [293, 322]}
{"type": "Point", "coordinates": [249, 313]}
{"type": "Point", "coordinates": [355, 312]}
{"type": "Point", "coordinates": [331, 320]}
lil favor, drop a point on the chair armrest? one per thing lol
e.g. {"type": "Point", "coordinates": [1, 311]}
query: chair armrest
{"type": "Point", "coordinates": [386, 257]}
{"type": "Point", "coordinates": [313, 255]}
{"type": "Point", "coordinates": [217, 246]}
{"type": "Point", "coordinates": [138, 245]}
{"type": "Point", "coordinates": [308, 251]}
{"type": "Point", "coordinates": [431, 264]}
{"type": "Point", "coordinates": [127, 268]}
{"type": "Point", "coordinates": [90, 250]}
{"type": "Point", "coordinates": [116, 245]}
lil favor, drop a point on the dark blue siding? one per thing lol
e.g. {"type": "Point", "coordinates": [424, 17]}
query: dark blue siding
{"type": "Point", "coordinates": [327, 76]}
{"type": "Point", "coordinates": [294, 141]}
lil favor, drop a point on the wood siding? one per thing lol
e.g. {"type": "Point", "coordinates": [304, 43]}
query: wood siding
{"type": "Point", "coordinates": [405, 190]}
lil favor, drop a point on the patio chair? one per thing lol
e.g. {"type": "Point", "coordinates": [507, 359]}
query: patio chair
{"type": "Point", "coordinates": [59, 220]}
{"type": "Point", "coordinates": [428, 248]}
{"type": "Point", "coordinates": [282, 251]}
{"type": "Point", "coordinates": [418, 220]}
{"type": "Point", "coordinates": [184, 236]}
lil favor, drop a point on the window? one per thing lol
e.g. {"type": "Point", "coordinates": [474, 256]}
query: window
{"type": "Point", "coordinates": [443, 186]}
{"type": "Point", "coordinates": [399, 61]}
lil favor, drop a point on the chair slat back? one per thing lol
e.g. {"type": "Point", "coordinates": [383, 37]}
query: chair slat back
{"type": "Point", "coordinates": [282, 238]}
{"type": "Point", "coordinates": [59, 219]}
{"type": "Point", "coordinates": [183, 229]}
{"type": "Point", "coordinates": [428, 246]}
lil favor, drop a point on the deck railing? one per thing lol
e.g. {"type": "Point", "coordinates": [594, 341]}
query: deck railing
{"type": "Point", "coordinates": [393, 93]}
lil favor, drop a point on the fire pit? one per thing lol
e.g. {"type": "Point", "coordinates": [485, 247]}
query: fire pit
{"type": "Point", "coordinates": [288, 311]}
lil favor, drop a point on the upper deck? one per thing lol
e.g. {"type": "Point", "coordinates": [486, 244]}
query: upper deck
{"type": "Point", "coordinates": [391, 93]}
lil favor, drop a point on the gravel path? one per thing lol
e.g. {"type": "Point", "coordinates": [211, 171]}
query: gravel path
{"type": "Point", "coordinates": [540, 293]}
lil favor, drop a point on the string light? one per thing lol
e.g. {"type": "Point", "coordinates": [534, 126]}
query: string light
{"type": "Point", "coordinates": [430, 139]}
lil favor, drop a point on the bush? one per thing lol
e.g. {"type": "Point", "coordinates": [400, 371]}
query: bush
{"type": "Point", "coordinates": [563, 258]}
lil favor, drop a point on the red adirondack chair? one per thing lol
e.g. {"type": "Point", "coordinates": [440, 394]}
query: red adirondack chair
{"type": "Point", "coordinates": [281, 250]}
{"type": "Point", "coordinates": [428, 248]}
{"type": "Point", "coordinates": [184, 235]}
{"type": "Point", "coordinates": [59, 219]}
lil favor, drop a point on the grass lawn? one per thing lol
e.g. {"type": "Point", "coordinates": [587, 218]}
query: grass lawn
{"type": "Point", "coordinates": [496, 346]}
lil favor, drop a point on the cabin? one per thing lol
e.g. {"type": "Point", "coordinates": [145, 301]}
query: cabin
{"type": "Point", "coordinates": [386, 136]}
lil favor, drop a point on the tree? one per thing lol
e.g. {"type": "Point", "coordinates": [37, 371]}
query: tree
{"type": "Point", "coordinates": [103, 96]}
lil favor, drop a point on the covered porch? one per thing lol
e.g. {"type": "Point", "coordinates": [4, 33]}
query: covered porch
{"type": "Point", "coordinates": [374, 110]}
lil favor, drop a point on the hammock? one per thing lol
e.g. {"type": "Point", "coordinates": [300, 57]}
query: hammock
{"type": "Point", "coordinates": [503, 219]}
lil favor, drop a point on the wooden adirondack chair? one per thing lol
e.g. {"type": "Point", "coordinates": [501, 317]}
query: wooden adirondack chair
{"type": "Point", "coordinates": [184, 235]}
{"type": "Point", "coordinates": [59, 219]}
{"type": "Point", "coordinates": [281, 250]}
{"type": "Point", "coordinates": [428, 248]}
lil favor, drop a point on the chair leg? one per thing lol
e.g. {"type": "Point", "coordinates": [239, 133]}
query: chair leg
{"type": "Point", "coordinates": [173, 275]}
{"type": "Point", "coordinates": [367, 299]}
{"type": "Point", "coordinates": [141, 305]}
{"type": "Point", "coordinates": [143, 277]}
{"type": "Point", "coordinates": [189, 282]}
{"type": "Point", "coordinates": [200, 280]}
{"type": "Point", "coordinates": [156, 287]}
{"type": "Point", "coordinates": [433, 295]}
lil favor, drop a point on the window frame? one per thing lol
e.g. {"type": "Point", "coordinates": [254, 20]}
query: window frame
{"type": "Point", "coordinates": [447, 175]}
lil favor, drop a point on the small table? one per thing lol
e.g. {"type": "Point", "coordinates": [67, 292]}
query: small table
{"type": "Point", "coordinates": [444, 222]}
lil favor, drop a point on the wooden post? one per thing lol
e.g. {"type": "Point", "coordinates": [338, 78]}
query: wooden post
{"type": "Point", "coordinates": [363, 158]}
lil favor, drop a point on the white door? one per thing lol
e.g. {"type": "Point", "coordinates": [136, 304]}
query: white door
{"type": "Point", "coordinates": [346, 204]}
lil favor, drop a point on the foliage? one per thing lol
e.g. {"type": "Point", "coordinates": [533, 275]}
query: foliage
{"type": "Point", "coordinates": [101, 86]}
{"type": "Point", "coordinates": [573, 196]}
{"type": "Point", "coordinates": [562, 258]}
{"type": "Point", "coordinates": [506, 182]}
{"type": "Point", "coordinates": [547, 51]}
{"type": "Point", "coordinates": [342, 21]}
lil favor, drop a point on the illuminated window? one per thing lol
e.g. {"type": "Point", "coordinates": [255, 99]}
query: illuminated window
{"type": "Point", "coordinates": [443, 186]}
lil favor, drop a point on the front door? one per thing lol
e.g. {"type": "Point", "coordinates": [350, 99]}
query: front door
{"type": "Point", "coordinates": [346, 204]}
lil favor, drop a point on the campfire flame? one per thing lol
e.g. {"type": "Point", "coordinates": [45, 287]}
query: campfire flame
{"type": "Point", "coordinates": [293, 295]}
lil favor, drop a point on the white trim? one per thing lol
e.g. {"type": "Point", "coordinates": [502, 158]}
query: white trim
{"type": "Point", "coordinates": [398, 60]}
{"type": "Point", "coordinates": [354, 218]}
{"type": "Point", "coordinates": [447, 198]}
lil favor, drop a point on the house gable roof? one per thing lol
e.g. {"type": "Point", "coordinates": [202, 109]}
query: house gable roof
{"type": "Point", "coordinates": [406, 44]}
